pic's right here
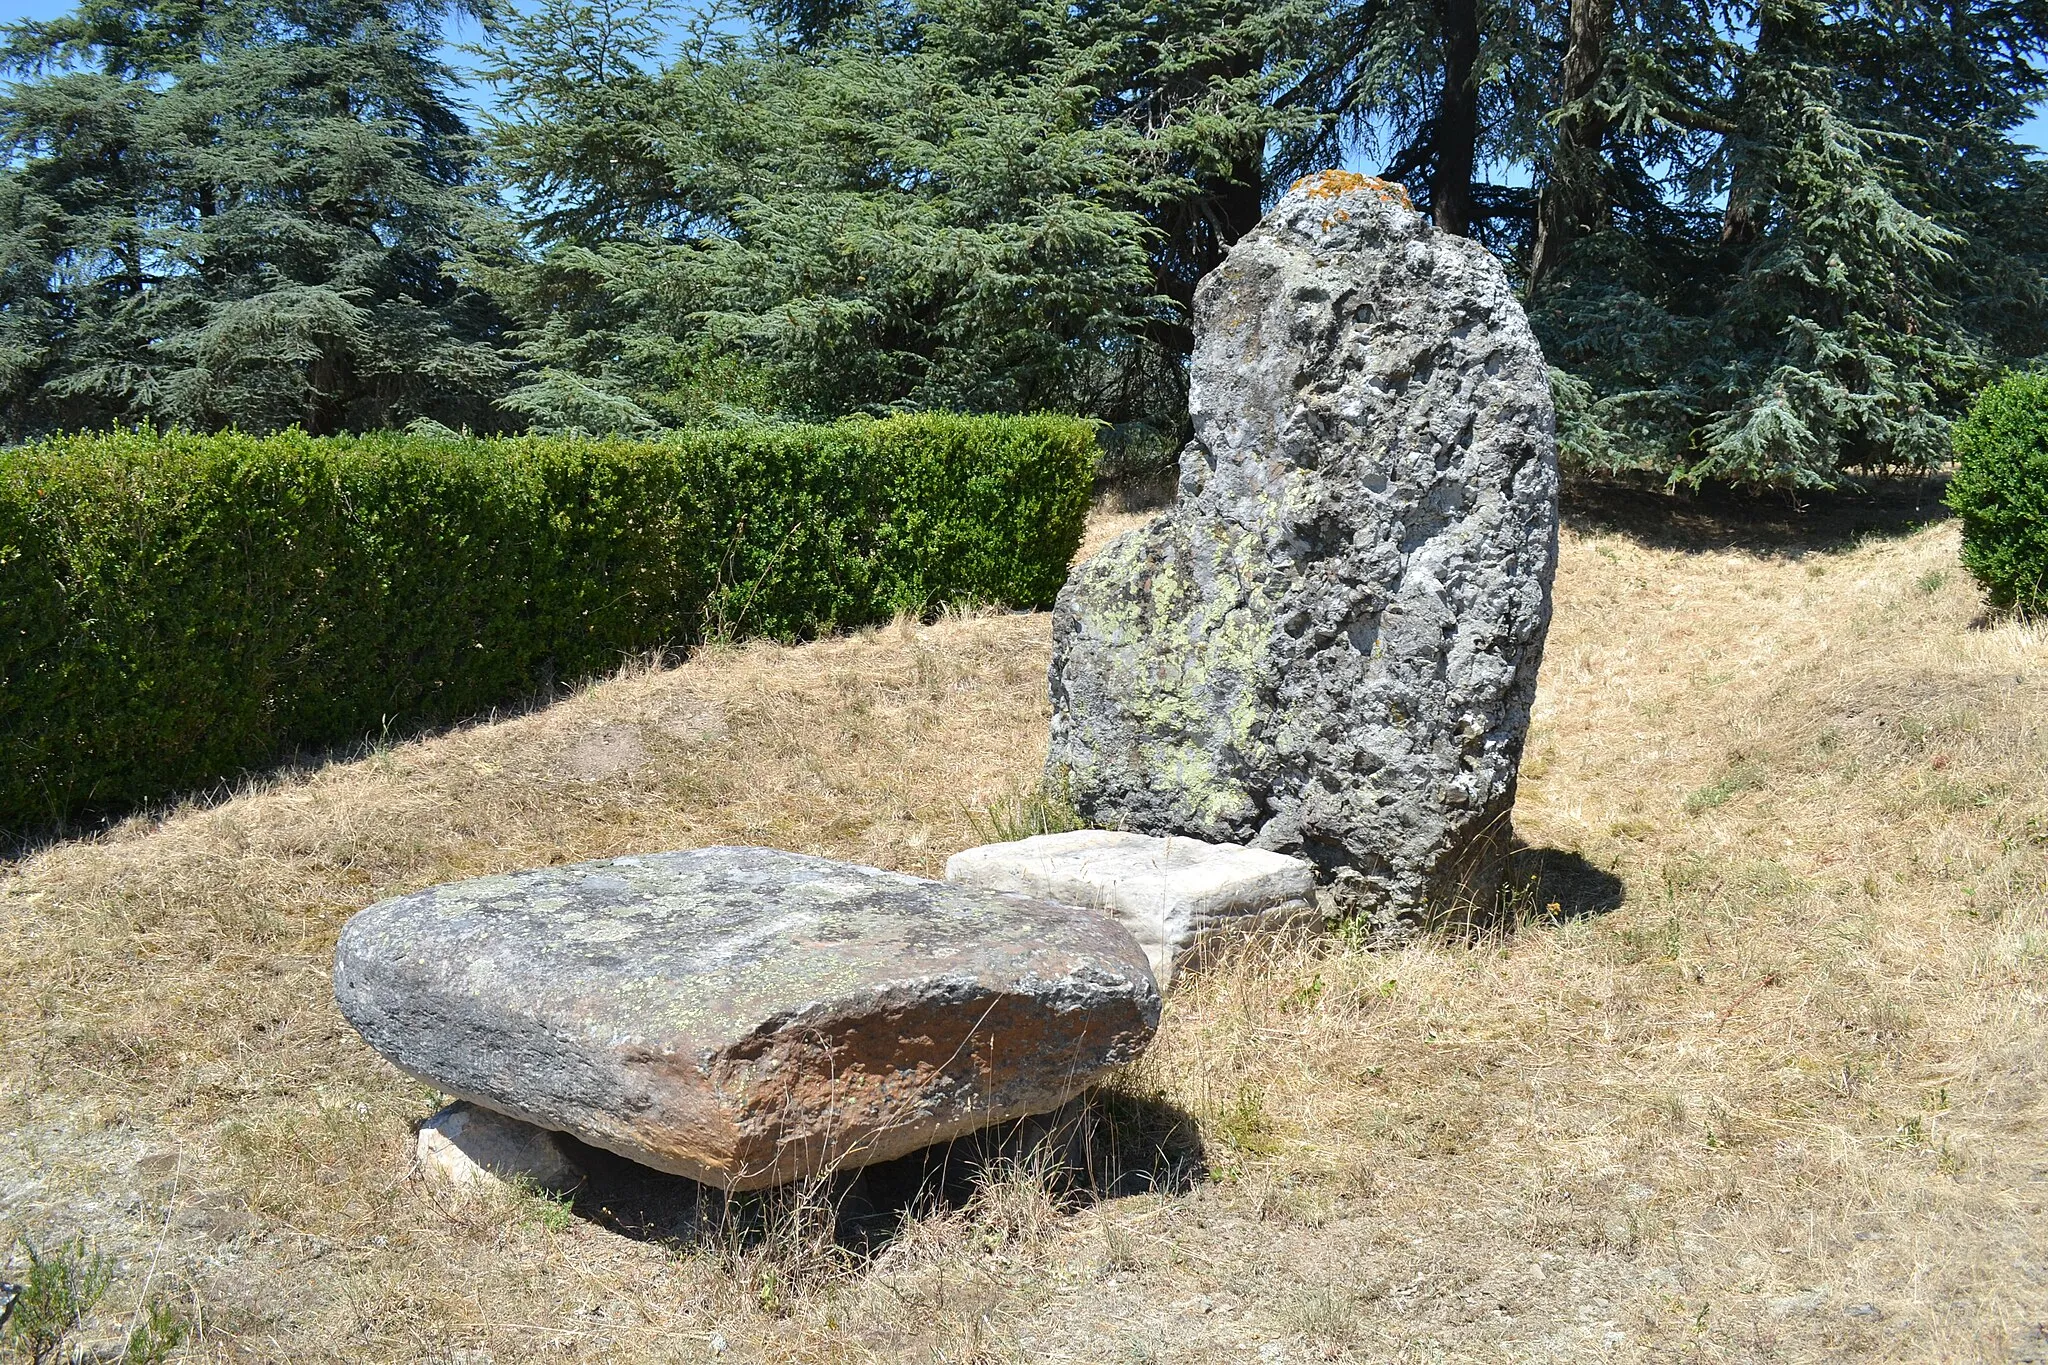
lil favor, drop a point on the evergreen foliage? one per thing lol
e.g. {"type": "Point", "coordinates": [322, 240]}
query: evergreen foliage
{"type": "Point", "coordinates": [1833, 243]}
{"type": "Point", "coordinates": [244, 214]}
{"type": "Point", "coordinates": [176, 609]}
{"type": "Point", "coordinates": [1773, 242]}
{"type": "Point", "coordinates": [2000, 491]}
{"type": "Point", "coordinates": [1769, 242]}
{"type": "Point", "coordinates": [911, 215]}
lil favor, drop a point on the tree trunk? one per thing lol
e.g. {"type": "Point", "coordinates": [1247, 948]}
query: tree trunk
{"type": "Point", "coordinates": [208, 205]}
{"type": "Point", "coordinates": [328, 379]}
{"type": "Point", "coordinates": [1206, 229]}
{"type": "Point", "coordinates": [1571, 202]}
{"type": "Point", "coordinates": [1244, 200]}
{"type": "Point", "coordinates": [1742, 220]}
{"type": "Point", "coordinates": [1457, 120]}
{"type": "Point", "coordinates": [1739, 221]}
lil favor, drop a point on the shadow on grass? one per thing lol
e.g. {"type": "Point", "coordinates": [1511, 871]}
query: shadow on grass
{"type": "Point", "coordinates": [1109, 1143]}
{"type": "Point", "coordinates": [1541, 886]}
{"type": "Point", "coordinates": [292, 766]}
{"type": "Point", "coordinates": [1150, 491]}
{"type": "Point", "coordinates": [1555, 886]}
{"type": "Point", "coordinates": [1764, 523]}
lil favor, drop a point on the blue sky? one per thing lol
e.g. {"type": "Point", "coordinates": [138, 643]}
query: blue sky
{"type": "Point", "coordinates": [2037, 131]}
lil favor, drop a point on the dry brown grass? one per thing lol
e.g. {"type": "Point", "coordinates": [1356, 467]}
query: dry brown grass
{"type": "Point", "coordinates": [1785, 1103]}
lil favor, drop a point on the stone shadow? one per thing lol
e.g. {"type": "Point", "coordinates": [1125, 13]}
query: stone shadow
{"type": "Point", "coordinates": [1110, 1143]}
{"type": "Point", "coordinates": [1555, 886]}
{"type": "Point", "coordinates": [1541, 887]}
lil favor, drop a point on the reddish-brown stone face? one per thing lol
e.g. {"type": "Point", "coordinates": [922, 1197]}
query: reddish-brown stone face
{"type": "Point", "coordinates": [745, 1016]}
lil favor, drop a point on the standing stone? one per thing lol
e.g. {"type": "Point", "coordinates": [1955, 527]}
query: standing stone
{"type": "Point", "coordinates": [1328, 646]}
{"type": "Point", "coordinates": [744, 1016]}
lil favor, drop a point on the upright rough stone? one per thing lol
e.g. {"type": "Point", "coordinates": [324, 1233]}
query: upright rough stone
{"type": "Point", "coordinates": [1328, 647]}
{"type": "Point", "coordinates": [744, 1016]}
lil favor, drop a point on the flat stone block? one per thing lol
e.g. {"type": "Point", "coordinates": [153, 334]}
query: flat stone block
{"type": "Point", "coordinates": [1172, 893]}
{"type": "Point", "coordinates": [744, 1016]}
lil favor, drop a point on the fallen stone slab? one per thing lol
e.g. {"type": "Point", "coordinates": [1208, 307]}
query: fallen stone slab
{"type": "Point", "coordinates": [464, 1144]}
{"type": "Point", "coordinates": [1176, 895]}
{"type": "Point", "coordinates": [1328, 646]}
{"type": "Point", "coordinates": [744, 1016]}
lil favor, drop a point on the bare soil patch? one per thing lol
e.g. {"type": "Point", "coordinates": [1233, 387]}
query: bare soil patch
{"type": "Point", "coordinates": [1784, 1102]}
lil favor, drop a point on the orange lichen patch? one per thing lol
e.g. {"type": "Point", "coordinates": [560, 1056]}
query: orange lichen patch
{"type": "Point", "coordinates": [1330, 184]}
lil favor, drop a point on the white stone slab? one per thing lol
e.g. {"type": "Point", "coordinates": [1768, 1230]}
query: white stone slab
{"type": "Point", "coordinates": [1172, 893]}
{"type": "Point", "coordinates": [466, 1144]}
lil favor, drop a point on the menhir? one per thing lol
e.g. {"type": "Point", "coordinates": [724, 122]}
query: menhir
{"type": "Point", "coordinates": [1328, 647]}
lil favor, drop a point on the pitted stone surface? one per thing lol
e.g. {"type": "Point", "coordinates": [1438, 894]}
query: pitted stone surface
{"type": "Point", "coordinates": [745, 1016]}
{"type": "Point", "coordinates": [1328, 646]}
{"type": "Point", "coordinates": [1174, 894]}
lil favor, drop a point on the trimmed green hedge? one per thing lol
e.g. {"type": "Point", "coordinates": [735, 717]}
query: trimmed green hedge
{"type": "Point", "coordinates": [177, 609]}
{"type": "Point", "coordinates": [2000, 490]}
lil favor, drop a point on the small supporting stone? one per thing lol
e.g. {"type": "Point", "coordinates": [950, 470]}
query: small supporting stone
{"type": "Point", "coordinates": [466, 1144]}
{"type": "Point", "coordinates": [1175, 895]}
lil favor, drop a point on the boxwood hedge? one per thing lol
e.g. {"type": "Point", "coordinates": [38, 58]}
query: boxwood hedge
{"type": "Point", "coordinates": [2000, 491]}
{"type": "Point", "coordinates": [175, 609]}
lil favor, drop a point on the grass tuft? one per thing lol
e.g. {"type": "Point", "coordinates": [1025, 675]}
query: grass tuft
{"type": "Point", "coordinates": [62, 1284]}
{"type": "Point", "coordinates": [1742, 776]}
{"type": "Point", "coordinates": [1026, 810]}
